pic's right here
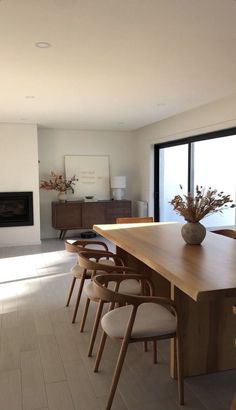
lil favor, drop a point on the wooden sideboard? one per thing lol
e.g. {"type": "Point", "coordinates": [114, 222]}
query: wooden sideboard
{"type": "Point", "coordinates": [79, 214]}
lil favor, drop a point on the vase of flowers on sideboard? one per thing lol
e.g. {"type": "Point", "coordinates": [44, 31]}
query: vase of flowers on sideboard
{"type": "Point", "coordinates": [59, 183]}
{"type": "Point", "coordinates": [62, 196]}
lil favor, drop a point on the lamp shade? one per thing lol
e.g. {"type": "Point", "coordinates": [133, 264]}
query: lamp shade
{"type": "Point", "coordinates": [118, 182]}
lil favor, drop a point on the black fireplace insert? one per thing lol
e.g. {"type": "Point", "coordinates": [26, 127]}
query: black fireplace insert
{"type": "Point", "coordinates": [16, 209]}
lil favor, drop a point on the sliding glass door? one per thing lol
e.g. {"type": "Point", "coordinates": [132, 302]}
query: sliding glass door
{"type": "Point", "coordinates": [173, 171]}
{"type": "Point", "coordinates": [207, 161]}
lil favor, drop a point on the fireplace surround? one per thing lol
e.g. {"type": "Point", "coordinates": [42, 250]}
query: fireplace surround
{"type": "Point", "coordinates": [16, 209]}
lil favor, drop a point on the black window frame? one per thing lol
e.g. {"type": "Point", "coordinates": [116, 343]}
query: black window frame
{"type": "Point", "coordinates": [188, 140]}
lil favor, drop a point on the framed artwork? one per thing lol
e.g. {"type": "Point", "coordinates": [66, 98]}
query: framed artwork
{"type": "Point", "coordinates": [93, 174]}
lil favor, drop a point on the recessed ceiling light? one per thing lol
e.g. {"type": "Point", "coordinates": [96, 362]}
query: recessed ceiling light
{"type": "Point", "coordinates": [30, 97]}
{"type": "Point", "coordinates": [160, 104]}
{"type": "Point", "coordinates": [42, 44]}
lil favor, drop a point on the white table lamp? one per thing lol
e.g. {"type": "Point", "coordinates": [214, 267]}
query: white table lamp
{"type": "Point", "coordinates": [118, 184]}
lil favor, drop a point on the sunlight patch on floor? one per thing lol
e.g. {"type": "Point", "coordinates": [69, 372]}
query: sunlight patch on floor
{"type": "Point", "coordinates": [30, 266]}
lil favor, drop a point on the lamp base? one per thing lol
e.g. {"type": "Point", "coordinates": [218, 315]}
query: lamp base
{"type": "Point", "coordinates": [118, 193]}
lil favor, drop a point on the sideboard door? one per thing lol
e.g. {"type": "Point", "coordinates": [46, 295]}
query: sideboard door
{"type": "Point", "coordinates": [66, 215]}
{"type": "Point", "coordinates": [77, 215]}
{"type": "Point", "coordinates": [117, 209]}
{"type": "Point", "coordinates": [93, 213]}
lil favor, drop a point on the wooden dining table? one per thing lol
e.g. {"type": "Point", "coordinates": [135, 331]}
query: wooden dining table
{"type": "Point", "coordinates": [201, 279]}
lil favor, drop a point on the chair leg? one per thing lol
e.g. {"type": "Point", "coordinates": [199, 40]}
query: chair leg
{"type": "Point", "coordinates": [100, 351]}
{"type": "Point", "coordinates": [84, 314]}
{"type": "Point", "coordinates": [154, 351]}
{"type": "Point", "coordinates": [179, 358]}
{"type": "Point", "coordinates": [95, 327]}
{"type": "Point", "coordinates": [78, 298]}
{"type": "Point", "coordinates": [121, 358]}
{"type": "Point", "coordinates": [117, 372]}
{"type": "Point", "coordinates": [145, 345]}
{"type": "Point", "coordinates": [71, 291]}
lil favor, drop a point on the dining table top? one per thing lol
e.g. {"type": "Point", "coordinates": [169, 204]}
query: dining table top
{"type": "Point", "coordinates": [195, 269]}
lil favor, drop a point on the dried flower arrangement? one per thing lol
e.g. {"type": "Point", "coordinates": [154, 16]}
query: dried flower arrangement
{"type": "Point", "coordinates": [204, 203]}
{"type": "Point", "coordinates": [58, 183]}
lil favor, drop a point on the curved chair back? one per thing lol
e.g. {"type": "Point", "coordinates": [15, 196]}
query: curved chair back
{"type": "Point", "coordinates": [90, 260]}
{"type": "Point", "coordinates": [230, 233]}
{"type": "Point", "coordinates": [80, 245]}
{"type": "Point", "coordinates": [101, 282]}
{"type": "Point", "coordinates": [134, 220]}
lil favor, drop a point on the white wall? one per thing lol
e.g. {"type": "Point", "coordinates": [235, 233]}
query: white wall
{"type": "Point", "coordinates": [131, 154]}
{"type": "Point", "coordinates": [211, 117]}
{"type": "Point", "coordinates": [54, 144]}
{"type": "Point", "coordinates": [19, 172]}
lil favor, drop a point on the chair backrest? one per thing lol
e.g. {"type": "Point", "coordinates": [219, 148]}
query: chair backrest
{"type": "Point", "coordinates": [73, 246]}
{"type": "Point", "coordinates": [231, 233]}
{"type": "Point", "coordinates": [134, 220]}
{"type": "Point", "coordinates": [101, 290]}
{"type": "Point", "coordinates": [90, 260]}
{"type": "Point", "coordinates": [79, 245]}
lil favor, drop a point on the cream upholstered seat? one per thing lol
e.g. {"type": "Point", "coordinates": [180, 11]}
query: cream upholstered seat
{"type": "Point", "coordinates": [151, 320]}
{"type": "Point", "coordinates": [144, 318]}
{"type": "Point", "coordinates": [86, 262]}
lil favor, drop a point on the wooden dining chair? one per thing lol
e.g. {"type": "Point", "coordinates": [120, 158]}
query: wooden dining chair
{"type": "Point", "coordinates": [140, 318]}
{"type": "Point", "coordinates": [231, 233]}
{"type": "Point", "coordinates": [145, 219]}
{"type": "Point", "coordinates": [87, 262]}
{"type": "Point", "coordinates": [134, 220]}
{"type": "Point", "coordinates": [233, 405]}
{"type": "Point", "coordinates": [78, 273]}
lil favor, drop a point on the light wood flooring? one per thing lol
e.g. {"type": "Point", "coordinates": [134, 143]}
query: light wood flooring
{"type": "Point", "coordinates": [43, 357]}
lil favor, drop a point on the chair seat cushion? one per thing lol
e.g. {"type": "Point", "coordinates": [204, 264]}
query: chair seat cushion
{"type": "Point", "coordinates": [151, 320]}
{"type": "Point", "coordinates": [129, 286]}
{"type": "Point", "coordinates": [78, 271]}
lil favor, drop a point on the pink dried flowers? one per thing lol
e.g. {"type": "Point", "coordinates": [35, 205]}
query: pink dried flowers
{"type": "Point", "coordinates": [58, 182]}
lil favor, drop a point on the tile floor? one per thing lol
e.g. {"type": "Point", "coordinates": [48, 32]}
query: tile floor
{"type": "Point", "coordinates": [43, 357]}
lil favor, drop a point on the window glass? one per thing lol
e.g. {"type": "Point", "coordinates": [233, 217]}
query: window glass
{"type": "Point", "coordinates": [173, 171]}
{"type": "Point", "coordinates": [214, 166]}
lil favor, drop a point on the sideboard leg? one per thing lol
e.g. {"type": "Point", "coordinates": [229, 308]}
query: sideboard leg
{"type": "Point", "coordinates": [62, 234]}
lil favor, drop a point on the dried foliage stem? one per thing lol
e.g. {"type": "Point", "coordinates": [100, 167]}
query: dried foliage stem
{"type": "Point", "coordinates": [204, 203]}
{"type": "Point", "coordinates": [58, 182]}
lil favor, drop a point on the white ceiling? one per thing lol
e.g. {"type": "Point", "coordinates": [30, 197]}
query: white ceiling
{"type": "Point", "coordinates": [113, 64]}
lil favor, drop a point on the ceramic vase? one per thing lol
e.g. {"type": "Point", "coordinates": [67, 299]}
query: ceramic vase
{"type": "Point", "coordinates": [193, 233]}
{"type": "Point", "coordinates": [61, 196]}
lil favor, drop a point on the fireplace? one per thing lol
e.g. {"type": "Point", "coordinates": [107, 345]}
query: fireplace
{"type": "Point", "coordinates": [16, 209]}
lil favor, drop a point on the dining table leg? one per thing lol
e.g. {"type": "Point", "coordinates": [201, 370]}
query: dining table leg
{"type": "Point", "coordinates": [208, 328]}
